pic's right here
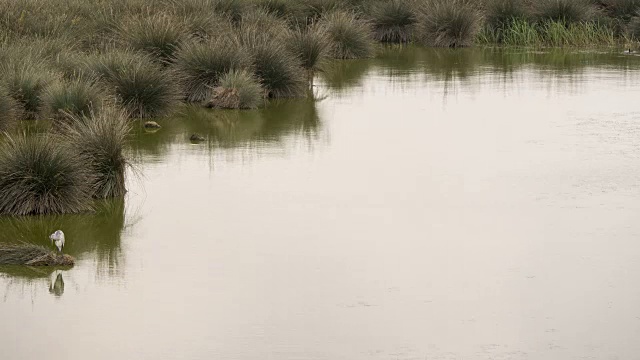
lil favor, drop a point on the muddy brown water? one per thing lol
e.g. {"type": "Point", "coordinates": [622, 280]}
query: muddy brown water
{"type": "Point", "coordinates": [429, 204]}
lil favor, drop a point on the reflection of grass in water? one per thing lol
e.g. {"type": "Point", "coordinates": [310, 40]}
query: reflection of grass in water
{"type": "Point", "coordinates": [341, 76]}
{"type": "Point", "coordinates": [86, 233]}
{"type": "Point", "coordinates": [234, 128]}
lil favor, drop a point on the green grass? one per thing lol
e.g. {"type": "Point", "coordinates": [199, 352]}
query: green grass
{"type": "Point", "coordinates": [158, 35]}
{"type": "Point", "coordinates": [633, 29]}
{"type": "Point", "coordinates": [621, 9]}
{"type": "Point", "coordinates": [8, 111]}
{"type": "Point", "coordinates": [278, 71]}
{"type": "Point", "coordinates": [75, 97]}
{"type": "Point", "coordinates": [563, 11]}
{"type": "Point", "coordinates": [501, 15]}
{"type": "Point", "coordinates": [310, 45]}
{"type": "Point", "coordinates": [26, 84]}
{"type": "Point", "coordinates": [350, 37]}
{"type": "Point", "coordinates": [448, 23]}
{"type": "Point", "coordinates": [100, 138]}
{"type": "Point", "coordinates": [40, 176]}
{"type": "Point", "coordinates": [199, 66]}
{"type": "Point", "coordinates": [142, 87]}
{"type": "Point", "coordinates": [393, 20]}
{"type": "Point", "coordinates": [238, 89]}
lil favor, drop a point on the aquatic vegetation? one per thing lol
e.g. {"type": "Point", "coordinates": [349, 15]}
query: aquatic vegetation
{"type": "Point", "coordinates": [199, 66]}
{"type": "Point", "coordinates": [564, 11]}
{"type": "Point", "coordinates": [349, 36]}
{"type": "Point", "coordinates": [238, 90]}
{"type": "Point", "coordinates": [232, 9]}
{"type": "Point", "coordinates": [158, 35]}
{"type": "Point", "coordinates": [40, 176]}
{"type": "Point", "coordinates": [71, 97]}
{"type": "Point", "coordinates": [100, 138]}
{"type": "Point", "coordinates": [32, 255]}
{"type": "Point", "coordinates": [500, 16]}
{"type": "Point", "coordinates": [26, 84]}
{"type": "Point", "coordinates": [8, 111]}
{"type": "Point", "coordinates": [448, 23]}
{"type": "Point", "coordinates": [393, 20]}
{"type": "Point", "coordinates": [310, 45]}
{"type": "Point", "coordinates": [634, 28]}
{"type": "Point", "coordinates": [621, 9]}
{"type": "Point", "coordinates": [277, 70]}
{"type": "Point", "coordinates": [141, 86]}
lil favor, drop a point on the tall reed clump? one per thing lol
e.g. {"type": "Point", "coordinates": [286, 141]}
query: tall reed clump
{"type": "Point", "coordinates": [158, 35]}
{"type": "Point", "coordinates": [71, 97]}
{"type": "Point", "coordinates": [238, 89]}
{"type": "Point", "coordinates": [558, 34]}
{"type": "Point", "coordinates": [39, 175]}
{"type": "Point", "coordinates": [501, 16]}
{"type": "Point", "coordinates": [142, 87]}
{"type": "Point", "coordinates": [26, 84]}
{"type": "Point", "coordinates": [563, 11]}
{"type": "Point", "coordinates": [393, 20]}
{"type": "Point", "coordinates": [8, 111]}
{"type": "Point", "coordinates": [310, 44]}
{"type": "Point", "coordinates": [199, 66]}
{"type": "Point", "coordinates": [100, 139]}
{"type": "Point", "coordinates": [448, 23]}
{"type": "Point", "coordinates": [349, 36]}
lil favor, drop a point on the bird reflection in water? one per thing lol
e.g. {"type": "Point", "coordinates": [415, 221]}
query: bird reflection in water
{"type": "Point", "coordinates": [56, 286]}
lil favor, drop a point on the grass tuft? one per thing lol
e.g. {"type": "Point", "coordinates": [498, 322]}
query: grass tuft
{"type": "Point", "coordinates": [563, 11]}
{"type": "Point", "coordinates": [141, 86]}
{"type": "Point", "coordinates": [349, 36]}
{"type": "Point", "coordinates": [8, 111]}
{"type": "Point", "coordinates": [157, 35]}
{"type": "Point", "coordinates": [38, 175]}
{"type": "Point", "coordinates": [238, 90]}
{"type": "Point", "coordinates": [500, 16]}
{"type": "Point", "coordinates": [310, 45]}
{"type": "Point", "coordinates": [393, 21]}
{"type": "Point", "coordinates": [448, 23]}
{"type": "Point", "coordinates": [71, 97]}
{"type": "Point", "coordinates": [199, 66]}
{"type": "Point", "coordinates": [101, 138]}
{"type": "Point", "coordinates": [277, 70]}
{"type": "Point", "coordinates": [26, 84]}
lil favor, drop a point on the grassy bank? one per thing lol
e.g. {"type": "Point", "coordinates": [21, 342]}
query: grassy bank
{"type": "Point", "coordinates": [87, 67]}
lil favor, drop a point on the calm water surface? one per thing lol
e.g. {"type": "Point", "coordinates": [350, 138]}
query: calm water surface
{"type": "Point", "coordinates": [430, 204]}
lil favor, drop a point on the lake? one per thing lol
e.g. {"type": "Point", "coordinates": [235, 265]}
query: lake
{"type": "Point", "coordinates": [427, 204]}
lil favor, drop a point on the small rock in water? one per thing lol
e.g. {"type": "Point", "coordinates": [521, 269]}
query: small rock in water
{"type": "Point", "coordinates": [151, 125]}
{"type": "Point", "coordinates": [196, 137]}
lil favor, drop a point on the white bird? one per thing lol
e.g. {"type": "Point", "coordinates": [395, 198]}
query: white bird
{"type": "Point", "coordinates": [57, 238]}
